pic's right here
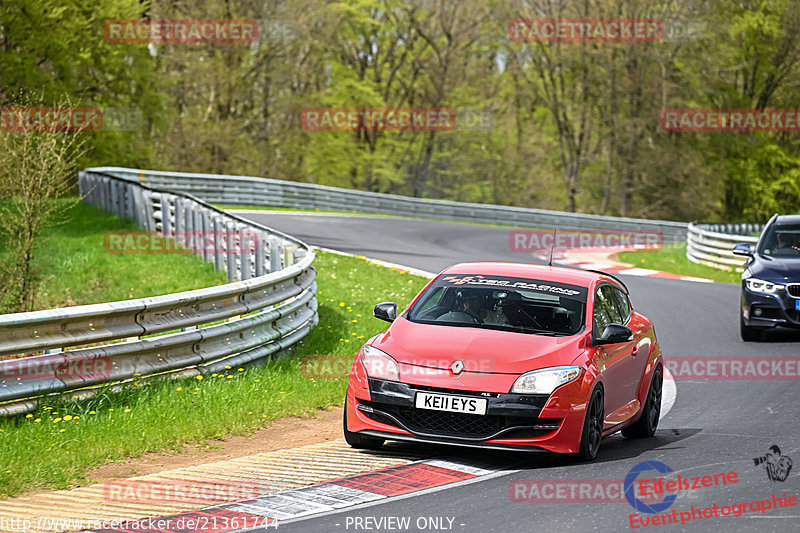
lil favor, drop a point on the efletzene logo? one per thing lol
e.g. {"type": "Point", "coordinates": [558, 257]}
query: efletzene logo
{"type": "Point", "coordinates": [639, 504]}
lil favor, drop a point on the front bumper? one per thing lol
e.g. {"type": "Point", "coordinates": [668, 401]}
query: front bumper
{"type": "Point", "coordinates": [532, 422]}
{"type": "Point", "coordinates": [769, 310]}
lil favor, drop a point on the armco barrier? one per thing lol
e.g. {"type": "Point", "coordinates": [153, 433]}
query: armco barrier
{"type": "Point", "coordinates": [712, 245]}
{"type": "Point", "coordinates": [248, 190]}
{"type": "Point", "coordinates": [269, 305]}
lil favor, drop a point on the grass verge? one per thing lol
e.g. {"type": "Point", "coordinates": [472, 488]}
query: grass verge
{"type": "Point", "coordinates": [673, 259]}
{"type": "Point", "coordinates": [58, 445]}
{"type": "Point", "coordinates": [76, 268]}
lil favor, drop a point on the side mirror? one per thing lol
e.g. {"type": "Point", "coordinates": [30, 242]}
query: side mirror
{"type": "Point", "coordinates": [386, 311]}
{"type": "Point", "coordinates": [743, 249]}
{"type": "Point", "coordinates": [615, 333]}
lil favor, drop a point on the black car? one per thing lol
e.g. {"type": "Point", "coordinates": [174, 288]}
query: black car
{"type": "Point", "coordinates": [771, 278]}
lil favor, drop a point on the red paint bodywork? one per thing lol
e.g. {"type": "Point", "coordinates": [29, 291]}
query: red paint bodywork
{"type": "Point", "coordinates": [625, 378]}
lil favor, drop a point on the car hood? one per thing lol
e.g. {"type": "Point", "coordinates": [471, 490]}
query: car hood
{"type": "Point", "coordinates": [779, 270]}
{"type": "Point", "coordinates": [481, 350]}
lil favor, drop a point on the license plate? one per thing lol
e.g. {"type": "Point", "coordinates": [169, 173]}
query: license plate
{"type": "Point", "coordinates": [797, 305]}
{"type": "Point", "coordinates": [453, 404]}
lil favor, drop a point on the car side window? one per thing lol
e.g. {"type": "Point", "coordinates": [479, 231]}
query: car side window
{"type": "Point", "coordinates": [603, 310]}
{"type": "Point", "coordinates": [622, 304]}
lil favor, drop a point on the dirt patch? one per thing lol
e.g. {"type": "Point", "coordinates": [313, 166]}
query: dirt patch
{"type": "Point", "coordinates": [285, 433]}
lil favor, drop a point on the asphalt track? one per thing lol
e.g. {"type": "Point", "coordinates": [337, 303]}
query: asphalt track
{"type": "Point", "coordinates": [715, 426]}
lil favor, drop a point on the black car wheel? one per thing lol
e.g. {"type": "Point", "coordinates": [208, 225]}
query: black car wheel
{"type": "Point", "coordinates": [360, 442]}
{"type": "Point", "coordinates": [748, 333]}
{"type": "Point", "coordinates": [648, 422]}
{"type": "Point", "coordinates": [592, 426]}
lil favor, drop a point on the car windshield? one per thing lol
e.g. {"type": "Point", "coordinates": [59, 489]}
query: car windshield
{"type": "Point", "coordinates": [782, 240]}
{"type": "Point", "coordinates": [497, 302]}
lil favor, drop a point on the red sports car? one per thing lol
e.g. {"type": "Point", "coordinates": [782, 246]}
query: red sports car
{"type": "Point", "coordinates": [508, 356]}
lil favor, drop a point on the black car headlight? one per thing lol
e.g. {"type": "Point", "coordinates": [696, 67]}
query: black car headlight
{"type": "Point", "coordinates": [759, 285]}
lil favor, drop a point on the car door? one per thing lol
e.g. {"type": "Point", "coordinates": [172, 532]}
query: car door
{"type": "Point", "coordinates": [616, 361]}
{"type": "Point", "coordinates": [641, 351]}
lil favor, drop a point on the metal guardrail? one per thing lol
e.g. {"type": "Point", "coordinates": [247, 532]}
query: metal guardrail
{"type": "Point", "coordinates": [712, 244]}
{"type": "Point", "coordinates": [269, 306]}
{"type": "Point", "coordinates": [248, 190]}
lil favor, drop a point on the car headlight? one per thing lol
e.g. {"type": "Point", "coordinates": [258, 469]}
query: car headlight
{"type": "Point", "coordinates": [759, 285]}
{"type": "Point", "coordinates": [379, 365]}
{"type": "Point", "coordinates": [546, 380]}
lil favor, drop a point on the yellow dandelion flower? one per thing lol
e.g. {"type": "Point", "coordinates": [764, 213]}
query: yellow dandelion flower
{"type": "Point", "coordinates": [76, 418]}
{"type": "Point", "coordinates": [67, 418]}
{"type": "Point", "coordinates": [28, 416]}
{"type": "Point", "coordinates": [229, 377]}
{"type": "Point", "coordinates": [214, 375]}
{"type": "Point", "coordinates": [227, 368]}
{"type": "Point", "coordinates": [61, 430]}
{"type": "Point", "coordinates": [257, 380]}
{"type": "Point", "coordinates": [199, 378]}
{"type": "Point", "coordinates": [38, 420]}
{"type": "Point", "coordinates": [57, 420]}
{"type": "Point", "coordinates": [179, 389]}
{"type": "Point", "coordinates": [126, 411]}
{"type": "Point", "coordinates": [92, 412]}
{"type": "Point", "coordinates": [240, 370]}
{"type": "Point", "coordinates": [342, 304]}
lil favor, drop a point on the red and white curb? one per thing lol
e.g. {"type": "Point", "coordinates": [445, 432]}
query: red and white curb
{"type": "Point", "coordinates": [567, 257]}
{"type": "Point", "coordinates": [270, 510]}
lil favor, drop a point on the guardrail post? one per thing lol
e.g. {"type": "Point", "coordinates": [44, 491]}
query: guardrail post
{"type": "Point", "coordinates": [275, 252]}
{"type": "Point", "coordinates": [288, 254]}
{"type": "Point", "coordinates": [246, 250]}
{"type": "Point", "coordinates": [219, 263]}
{"type": "Point", "coordinates": [260, 253]}
{"type": "Point", "coordinates": [180, 222]}
{"type": "Point", "coordinates": [230, 256]}
{"type": "Point", "coordinates": [204, 237]}
{"type": "Point", "coordinates": [189, 226]}
{"type": "Point", "coordinates": [166, 216]}
{"type": "Point", "coordinates": [147, 210]}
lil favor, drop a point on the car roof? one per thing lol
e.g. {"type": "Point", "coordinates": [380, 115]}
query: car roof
{"type": "Point", "coordinates": [570, 276]}
{"type": "Point", "coordinates": [787, 219]}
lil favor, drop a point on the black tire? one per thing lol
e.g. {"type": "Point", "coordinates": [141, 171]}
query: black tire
{"type": "Point", "coordinates": [592, 427]}
{"type": "Point", "coordinates": [648, 422]}
{"type": "Point", "coordinates": [355, 440]}
{"type": "Point", "coordinates": [748, 333]}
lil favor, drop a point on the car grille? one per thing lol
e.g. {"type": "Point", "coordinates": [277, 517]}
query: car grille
{"type": "Point", "coordinates": [794, 316]}
{"type": "Point", "coordinates": [793, 289]}
{"type": "Point", "coordinates": [447, 424]}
